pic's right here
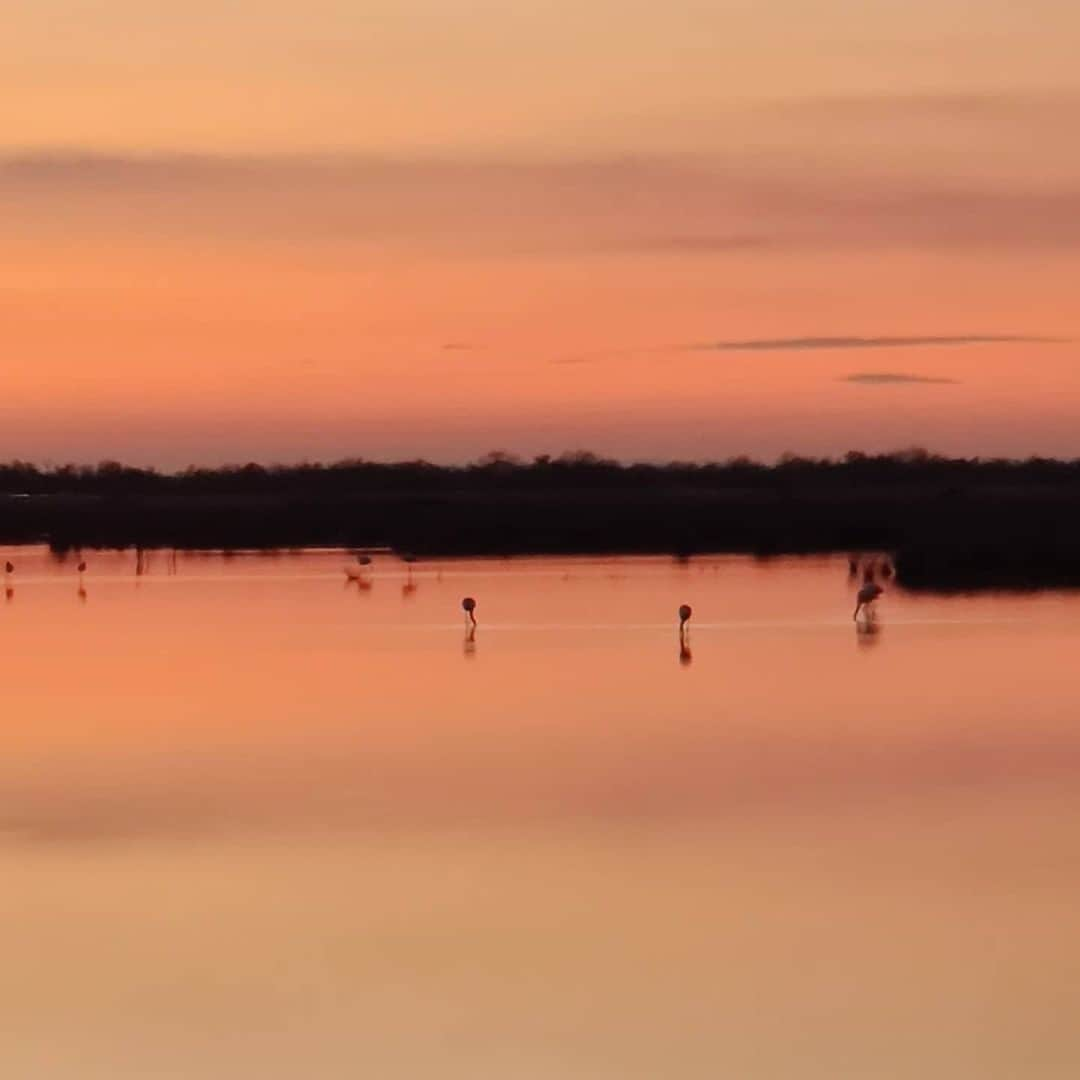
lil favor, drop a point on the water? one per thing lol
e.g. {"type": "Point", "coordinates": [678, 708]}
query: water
{"type": "Point", "coordinates": [259, 823]}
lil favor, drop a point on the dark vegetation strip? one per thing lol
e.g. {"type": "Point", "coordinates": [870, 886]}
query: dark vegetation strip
{"type": "Point", "coordinates": [952, 523]}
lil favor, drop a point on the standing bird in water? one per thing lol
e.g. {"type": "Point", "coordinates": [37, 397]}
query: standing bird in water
{"type": "Point", "coordinates": [685, 611]}
{"type": "Point", "coordinates": [9, 568]}
{"type": "Point", "coordinates": [357, 573]}
{"type": "Point", "coordinates": [865, 598]}
{"type": "Point", "coordinates": [468, 605]}
{"type": "Point", "coordinates": [82, 570]}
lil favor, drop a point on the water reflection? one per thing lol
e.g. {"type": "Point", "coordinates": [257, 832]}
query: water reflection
{"type": "Point", "coordinates": [557, 809]}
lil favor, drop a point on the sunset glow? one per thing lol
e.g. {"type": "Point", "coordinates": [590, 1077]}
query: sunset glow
{"type": "Point", "coordinates": [423, 228]}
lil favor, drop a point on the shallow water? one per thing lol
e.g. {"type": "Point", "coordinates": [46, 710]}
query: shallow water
{"type": "Point", "coordinates": [258, 822]}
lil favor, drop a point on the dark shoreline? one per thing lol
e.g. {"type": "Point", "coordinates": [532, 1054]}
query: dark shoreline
{"type": "Point", "coordinates": [949, 524]}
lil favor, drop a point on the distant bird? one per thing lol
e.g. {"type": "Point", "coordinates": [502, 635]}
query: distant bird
{"type": "Point", "coordinates": [685, 611]}
{"type": "Point", "coordinates": [9, 567]}
{"type": "Point", "coordinates": [356, 573]}
{"type": "Point", "coordinates": [866, 596]}
{"type": "Point", "coordinates": [468, 605]}
{"type": "Point", "coordinates": [82, 569]}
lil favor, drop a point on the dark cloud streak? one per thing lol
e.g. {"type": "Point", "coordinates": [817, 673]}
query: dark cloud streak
{"type": "Point", "coordinates": [805, 344]}
{"type": "Point", "coordinates": [891, 378]}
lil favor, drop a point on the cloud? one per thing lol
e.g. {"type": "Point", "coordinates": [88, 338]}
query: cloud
{"type": "Point", "coordinates": [703, 206]}
{"type": "Point", "coordinates": [798, 344]}
{"type": "Point", "coordinates": [888, 378]}
{"type": "Point", "coordinates": [937, 106]}
{"type": "Point", "coordinates": [811, 344]}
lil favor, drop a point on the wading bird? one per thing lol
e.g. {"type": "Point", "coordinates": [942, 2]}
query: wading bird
{"type": "Point", "coordinates": [865, 598]}
{"type": "Point", "coordinates": [685, 611]}
{"type": "Point", "coordinates": [82, 570]}
{"type": "Point", "coordinates": [357, 572]}
{"type": "Point", "coordinates": [468, 605]}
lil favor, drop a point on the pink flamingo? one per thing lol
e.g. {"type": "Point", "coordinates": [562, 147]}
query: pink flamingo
{"type": "Point", "coordinates": [865, 597]}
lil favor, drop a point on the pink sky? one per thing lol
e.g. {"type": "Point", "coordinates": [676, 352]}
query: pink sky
{"type": "Point", "coordinates": [422, 228]}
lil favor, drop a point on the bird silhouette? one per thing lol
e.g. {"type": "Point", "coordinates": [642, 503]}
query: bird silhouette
{"type": "Point", "coordinates": [468, 605]}
{"type": "Point", "coordinates": [865, 598]}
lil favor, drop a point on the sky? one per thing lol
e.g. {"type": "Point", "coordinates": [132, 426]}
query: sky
{"type": "Point", "coordinates": [416, 228]}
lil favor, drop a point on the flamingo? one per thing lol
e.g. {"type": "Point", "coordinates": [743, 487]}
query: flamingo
{"type": "Point", "coordinates": [356, 573]}
{"type": "Point", "coordinates": [468, 605]}
{"type": "Point", "coordinates": [9, 568]}
{"type": "Point", "coordinates": [865, 597]}
{"type": "Point", "coordinates": [82, 570]}
{"type": "Point", "coordinates": [685, 611]}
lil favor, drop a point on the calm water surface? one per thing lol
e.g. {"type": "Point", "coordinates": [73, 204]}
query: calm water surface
{"type": "Point", "coordinates": [260, 823]}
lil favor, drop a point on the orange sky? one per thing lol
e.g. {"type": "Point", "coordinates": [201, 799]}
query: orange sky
{"type": "Point", "coordinates": [421, 227]}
